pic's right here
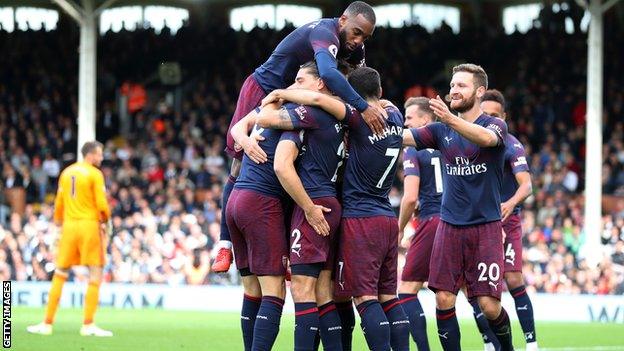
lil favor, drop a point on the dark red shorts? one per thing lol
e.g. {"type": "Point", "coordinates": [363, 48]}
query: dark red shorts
{"type": "Point", "coordinates": [471, 255]}
{"type": "Point", "coordinates": [256, 224]}
{"type": "Point", "coordinates": [250, 97]}
{"type": "Point", "coordinates": [513, 243]}
{"type": "Point", "coordinates": [367, 257]}
{"type": "Point", "coordinates": [419, 253]}
{"type": "Point", "coordinates": [306, 246]}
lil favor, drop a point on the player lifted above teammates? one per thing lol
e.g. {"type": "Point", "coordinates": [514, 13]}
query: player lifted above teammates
{"type": "Point", "coordinates": [318, 149]}
{"type": "Point", "coordinates": [468, 247]}
{"type": "Point", "coordinates": [82, 212]}
{"type": "Point", "coordinates": [422, 184]}
{"type": "Point", "coordinates": [516, 188]}
{"type": "Point", "coordinates": [325, 41]}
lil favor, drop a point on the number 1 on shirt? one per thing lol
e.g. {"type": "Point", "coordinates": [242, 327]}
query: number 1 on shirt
{"type": "Point", "coordinates": [437, 170]}
{"type": "Point", "coordinates": [73, 186]}
{"type": "Point", "coordinates": [394, 152]}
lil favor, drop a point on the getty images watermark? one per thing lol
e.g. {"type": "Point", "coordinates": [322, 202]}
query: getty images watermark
{"type": "Point", "coordinates": [6, 314]}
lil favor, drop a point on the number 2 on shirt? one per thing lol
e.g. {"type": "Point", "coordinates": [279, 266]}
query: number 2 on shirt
{"type": "Point", "coordinates": [394, 153]}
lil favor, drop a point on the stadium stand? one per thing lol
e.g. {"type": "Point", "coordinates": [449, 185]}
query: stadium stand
{"type": "Point", "coordinates": [164, 178]}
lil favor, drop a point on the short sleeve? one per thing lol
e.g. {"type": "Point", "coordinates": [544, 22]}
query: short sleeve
{"type": "Point", "coordinates": [427, 137]}
{"type": "Point", "coordinates": [302, 117]}
{"type": "Point", "coordinates": [517, 156]}
{"type": "Point", "coordinates": [410, 162]}
{"type": "Point", "coordinates": [296, 136]}
{"type": "Point", "coordinates": [499, 127]}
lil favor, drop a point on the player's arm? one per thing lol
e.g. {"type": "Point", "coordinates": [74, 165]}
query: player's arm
{"type": "Point", "coordinates": [284, 166]}
{"type": "Point", "coordinates": [240, 134]}
{"type": "Point", "coordinates": [477, 134]}
{"type": "Point", "coordinates": [59, 206]}
{"type": "Point", "coordinates": [330, 104]}
{"type": "Point", "coordinates": [423, 137]}
{"type": "Point", "coordinates": [520, 168]}
{"type": "Point", "coordinates": [287, 117]}
{"type": "Point", "coordinates": [100, 198]}
{"type": "Point", "coordinates": [411, 185]}
{"type": "Point", "coordinates": [525, 188]}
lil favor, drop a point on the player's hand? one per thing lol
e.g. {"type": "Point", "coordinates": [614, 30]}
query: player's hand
{"type": "Point", "coordinates": [253, 150]}
{"type": "Point", "coordinates": [506, 209]}
{"type": "Point", "coordinates": [271, 98]}
{"type": "Point", "coordinates": [401, 234]}
{"type": "Point", "coordinates": [440, 109]}
{"type": "Point", "coordinates": [386, 103]}
{"type": "Point", "coordinates": [316, 218]}
{"type": "Point", "coordinates": [375, 117]}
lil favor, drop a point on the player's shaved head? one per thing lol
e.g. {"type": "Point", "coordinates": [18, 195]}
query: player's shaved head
{"type": "Point", "coordinates": [361, 8]}
{"type": "Point", "coordinates": [493, 95]}
{"type": "Point", "coordinates": [493, 104]}
{"type": "Point", "coordinates": [366, 82]}
{"type": "Point", "coordinates": [356, 25]}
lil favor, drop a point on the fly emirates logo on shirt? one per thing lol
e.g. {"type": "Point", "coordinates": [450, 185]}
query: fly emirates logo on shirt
{"type": "Point", "coordinates": [463, 167]}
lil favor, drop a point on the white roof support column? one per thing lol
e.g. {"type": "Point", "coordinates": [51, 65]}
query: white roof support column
{"type": "Point", "coordinates": [87, 18]}
{"type": "Point", "coordinates": [87, 77]}
{"type": "Point", "coordinates": [593, 158]}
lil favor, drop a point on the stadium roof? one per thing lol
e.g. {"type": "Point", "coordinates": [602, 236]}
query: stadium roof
{"type": "Point", "coordinates": [236, 3]}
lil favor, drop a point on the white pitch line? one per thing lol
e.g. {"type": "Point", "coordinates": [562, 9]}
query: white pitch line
{"type": "Point", "coordinates": [587, 348]}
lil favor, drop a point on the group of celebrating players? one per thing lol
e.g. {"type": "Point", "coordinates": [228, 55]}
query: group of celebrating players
{"type": "Point", "coordinates": [315, 152]}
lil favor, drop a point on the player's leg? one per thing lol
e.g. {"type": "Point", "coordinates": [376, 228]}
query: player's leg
{"type": "Point", "coordinates": [262, 219]}
{"type": "Point", "coordinates": [92, 254]}
{"type": "Point", "coordinates": [515, 282]}
{"type": "Point", "coordinates": [68, 255]}
{"type": "Point", "coordinates": [344, 306]}
{"type": "Point", "coordinates": [91, 301]}
{"type": "Point", "coordinates": [524, 308]}
{"type": "Point", "coordinates": [250, 96]}
{"type": "Point", "coordinates": [399, 322]}
{"type": "Point", "coordinates": [251, 304]}
{"type": "Point", "coordinates": [415, 273]}
{"type": "Point", "coordinates": [387, 287]}
{"type": "Point", "coordinates": [309, 255]}
{"type": "Point", "coordinates": [374, 322]}
{"type": "Point", "coordinates": [58, 280]}
{"type": "Point", "coordinates": [490, 342]}
{"type": "Point", "coordinates": [445, 278]}
{"type": "Point", "coordinates": [224, 254]}
{"type": "Point", "coordinates": [484, 263]}
{"type": "Point", "coordinates": [408, 296]}
{"type": "Point", "coordinates": [252, 293]}
{"type": "Point", "coordinates": [303, 291]}
{"type": "Point", "coordinates": [329, 318]}
{"type": "Point", "coordinates": [361, 252]}
{"type": "Point", "coordinates": [269, 315]}
{"type": "Point", "coordinates": [448, 327]}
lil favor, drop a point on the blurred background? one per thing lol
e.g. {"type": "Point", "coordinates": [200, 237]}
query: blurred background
{"type": "Point", "coordinates": [165, 88]}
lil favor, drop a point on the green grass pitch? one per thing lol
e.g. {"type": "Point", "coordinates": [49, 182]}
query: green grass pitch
{"type": "Point", "coordinates": [156, 330]}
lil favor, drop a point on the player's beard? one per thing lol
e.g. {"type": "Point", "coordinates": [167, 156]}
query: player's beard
{"type": "Point", "coordinates": [343, 40]}
{"type": "Point", "coordinates": [466, 104]}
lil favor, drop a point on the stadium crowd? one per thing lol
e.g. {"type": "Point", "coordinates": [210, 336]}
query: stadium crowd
{"type": "Point", "coordinates": [164, 177]}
